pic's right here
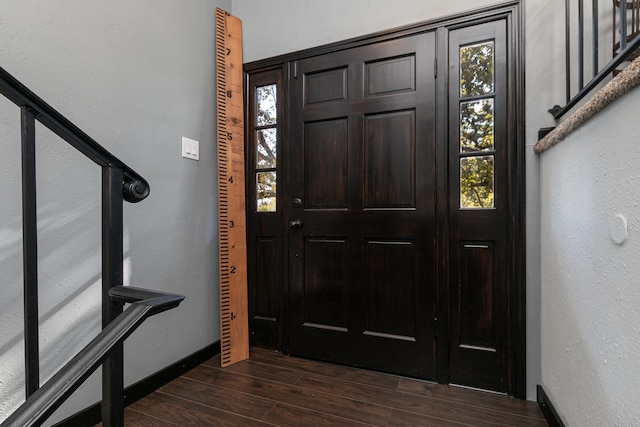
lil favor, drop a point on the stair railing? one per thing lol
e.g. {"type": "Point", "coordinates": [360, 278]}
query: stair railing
{"type": "Point", "coordinates": [119, 183]}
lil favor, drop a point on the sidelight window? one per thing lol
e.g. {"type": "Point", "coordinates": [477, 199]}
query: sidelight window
{"type": "Point", "coordinates": [266, 121]}
{"type": "Point", "coordinates": [477, 123]}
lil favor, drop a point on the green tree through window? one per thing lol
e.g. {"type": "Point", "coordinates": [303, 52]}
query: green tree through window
{"type": "Point", "coordinates": [266, 148]}
{"type": "Point", "coordinates": [477, 126]}
{"type": "Point", "coordinates": [476, 69]}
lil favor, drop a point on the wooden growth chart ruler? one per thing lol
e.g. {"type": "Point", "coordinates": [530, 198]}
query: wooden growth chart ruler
{"type": "Point", "coordinates": [234, 321]}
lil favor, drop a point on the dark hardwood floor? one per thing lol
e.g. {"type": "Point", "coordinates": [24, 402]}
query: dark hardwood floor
{"type": "Point", "coordinates": [275, 390]}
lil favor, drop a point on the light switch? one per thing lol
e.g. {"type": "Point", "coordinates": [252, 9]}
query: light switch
{"type": "Point", "coordinates": [190, 149]}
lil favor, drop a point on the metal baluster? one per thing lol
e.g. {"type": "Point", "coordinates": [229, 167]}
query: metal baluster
{"type": "Point", "coordinates": [30, 252]}
{"type": "Point", "coordinates": [614, 27]}
{"type": "Point", "coordinates": [623, 24]}
{"type": "Point", "coordinates": [567, 35]}
{"type": "Point", "coordinates": [595, 31]}
{"type": "Point", "coordinates": [633, 16]}
{"type": "Point", "coordinates": [636, 17]}
{"type": "Point", "coordinates": [580, 44]}
{"type": "Point", "coordinates": [112, 253]}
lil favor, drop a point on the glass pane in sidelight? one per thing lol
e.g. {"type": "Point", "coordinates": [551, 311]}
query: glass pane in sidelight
{"type": "Point", "coordinates": [266, 144]}
{"type": "Point", "coordinates": [476, 69]}
{"type": "Point", "coordinates": [266, 190]}
{"type": "Point", "coordinates": [476, 182]}
{"type": "Point", "coordinates": [266, 105]}
{"type": "Point", "coordinates": [476, 125]}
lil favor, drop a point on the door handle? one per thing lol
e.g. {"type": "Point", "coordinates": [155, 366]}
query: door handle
{"type": "Point", "coordinates": [296, 223]}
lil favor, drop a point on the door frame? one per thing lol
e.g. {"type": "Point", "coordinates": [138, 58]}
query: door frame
{"type": "Point", "coordinates": [512, 13]}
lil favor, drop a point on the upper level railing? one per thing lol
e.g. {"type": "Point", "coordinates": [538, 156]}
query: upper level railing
{"type": "Point", "coordinates": [119, 183]}
{"type": "Point", "coordinates": [612, 23]}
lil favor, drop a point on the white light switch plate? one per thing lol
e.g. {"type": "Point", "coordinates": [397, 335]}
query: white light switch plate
{"type": "Point", "coordinates": [190, 149]}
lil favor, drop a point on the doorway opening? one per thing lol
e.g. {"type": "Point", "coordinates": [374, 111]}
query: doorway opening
{"type": "Point", "coordinates": [385, 202]}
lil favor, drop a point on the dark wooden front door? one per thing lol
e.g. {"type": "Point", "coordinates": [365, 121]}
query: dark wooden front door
{"type": "Point", "coordinates": [361, 240]}
{"type": "Point", "coordinates": [394, 240]}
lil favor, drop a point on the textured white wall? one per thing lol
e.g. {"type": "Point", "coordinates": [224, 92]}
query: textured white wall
{"type": "Point", "coordinates": [136, 76]}
{"type": "Point", "coordinates": [281, 26]}
{"type": "Point", "coordinates": [591, 284]}
{"type": "Point", "coordinates": [544, 82]}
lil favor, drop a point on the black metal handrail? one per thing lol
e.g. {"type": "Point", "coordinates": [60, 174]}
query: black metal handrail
{"type": "Point", "coordinates": [119, 183]}
{"type": "Point", "coordinates": [624, 48]}
{"type": "Point", "coordinates": [135, 187]}
{"type": "Point", "coordinates": [144, 304]}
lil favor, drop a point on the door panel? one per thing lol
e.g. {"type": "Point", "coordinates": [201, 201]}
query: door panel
{"type": "Point", "coordinates": [384, 77]}
{"type": "Point", "coordinates": [390, 290]}
{"type": "Point", "coordinates": [326, 286]}
{"type": "Point", "coordinates": [268, 251]}
{"type": "Point", "coordinates": [326, 144]}
{"type": "Point", "coordinates": [475, 295]}
{"type": "Point", "coordinates": [325, 86]}
{"type": "Point", "coordinates": [389, 160]}
{"type": "Point", "coordinates": [361, 265]}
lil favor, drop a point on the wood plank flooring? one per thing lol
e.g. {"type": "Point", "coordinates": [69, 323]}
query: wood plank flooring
{"type": "Point", "coordinates": [275, 390]}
